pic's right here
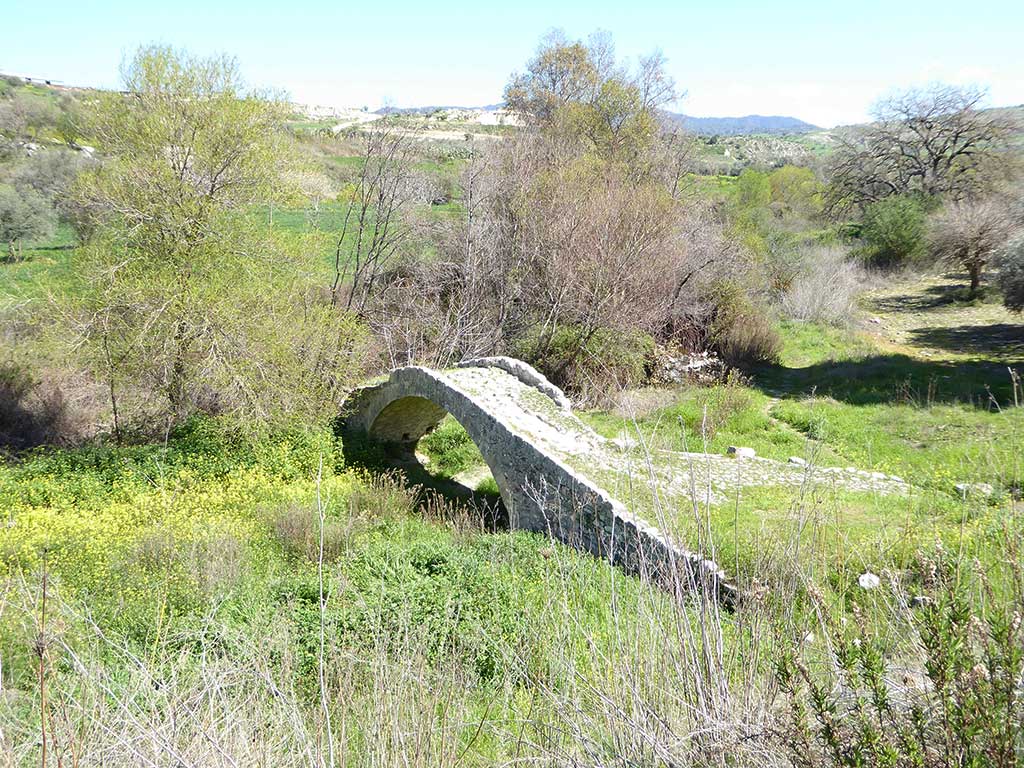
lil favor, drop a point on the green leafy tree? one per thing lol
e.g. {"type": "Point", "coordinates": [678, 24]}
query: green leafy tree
{"type": "Point", "coordinates": [24, 215]}
{"type": "Point", "coordinates": [894, 231]}
{"type": "Point", "coordinates": [69, 121]}
{"type": "Point", "coordinates": [576, 91]}
{"type": "Point", "coordinates": [796, 191]}
{"type": "Point", "coordinates": [26, 115]}
{"type": "Point", "coordinates": [190, 296]}
{"type": "Point", "coordinates": [753, 190]}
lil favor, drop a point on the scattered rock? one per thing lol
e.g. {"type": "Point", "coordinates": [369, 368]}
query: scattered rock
{"type": "Point", "coordinates": [798, 461]}
{"type": "Point", "coordinates": [674, 366]}
{"type": "Point", "coordinates": [623, 443]}
{"type": "Point", "coordinates": [740, 452]}
{"type": "Point", "coordinates": [974, 489]}
{"type": "Point", "coordinates": [868, 580]}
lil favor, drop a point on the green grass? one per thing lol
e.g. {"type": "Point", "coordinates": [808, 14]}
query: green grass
{"type": "Point", "coordinates": [450, 449]}
{"type": "Point", "coordinates": [206, 549]}
{"type": "Point", "coordinates": [852, 397]}
{"type": "Point", "coordinates": [45, 265]}
{"type": "Point", "coordinates": [705, 418]}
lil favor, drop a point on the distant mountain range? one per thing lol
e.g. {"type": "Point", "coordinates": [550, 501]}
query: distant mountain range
{"type": "Point", "coordinates": [704, 126]}
{"type": "Point", "coordinates": [746, 125]}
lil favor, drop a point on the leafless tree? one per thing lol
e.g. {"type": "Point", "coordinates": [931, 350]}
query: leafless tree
{"type": "Point", "coordinates": [968, 233]}
{"type": "Point", "coordinates": [932, 141]}
{"type": "Point", "coordinates": [674, 155]}
{"type": "Point", "coordinates": [372, 230]}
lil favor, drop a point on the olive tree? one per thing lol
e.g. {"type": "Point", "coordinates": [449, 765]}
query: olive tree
{"type": "Point", "coordinates": [1010, 263]}
{"type": "Point", "coordinates": [24, 215]}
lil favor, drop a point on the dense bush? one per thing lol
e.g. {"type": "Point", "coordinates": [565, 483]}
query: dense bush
{"type": "Point", "coordinates": [24, 215]}
{"type": "Point", "coordinates": [825, 286]}
{"type": "Point", "coordinates": [593, 365]}
{"type": "Point", "coordinates": [967, 234]}
{"type": "Point", "coordinates": [743, 332]}
{"type": "Point", "coordinates": [893, 232]}
{"type": "Point", "coordinates": [578, 250]}
{"type": "Point", "coordinates": [31, 414]}
{"type": "Point", "coordinates": [450, 448]}
{"type": "Point", "coordinates": [185, 295]}
{"type": "Point", "coordinates": [1010, 263]}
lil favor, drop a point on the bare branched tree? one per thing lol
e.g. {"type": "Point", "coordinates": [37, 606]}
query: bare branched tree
{"type": "Point", "coordinates": [373, 231]}
{"type": "Point", "coordinates": [969, 233]}
{"type": "Point", "coordinates": [933, 141]}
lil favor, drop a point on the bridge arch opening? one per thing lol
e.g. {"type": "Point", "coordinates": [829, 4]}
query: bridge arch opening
{"type": "Point", "coordinates": [405, 420]}
{"type": "Point", "coordinates": [401, 426]}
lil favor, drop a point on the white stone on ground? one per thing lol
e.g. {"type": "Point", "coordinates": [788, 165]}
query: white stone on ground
{"type": "Point", "coordinates": [741, 452]}
{"type": "Point", "coordinates": [868, 580]}
{"type": "Point", "coordinates": [974, 489]}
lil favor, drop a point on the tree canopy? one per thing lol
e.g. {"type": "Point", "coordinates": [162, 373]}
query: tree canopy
{"type": "Point", "coordinates": [932, 142]}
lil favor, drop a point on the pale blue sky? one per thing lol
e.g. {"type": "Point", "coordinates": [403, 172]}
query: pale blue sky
{"type": "Point", "coordinates": [821, 61]}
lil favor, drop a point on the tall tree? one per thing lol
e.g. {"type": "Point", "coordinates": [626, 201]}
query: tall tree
{"type": "Point", "coordinates": [932, 142]}
{"type": "Point", "coordinates": [577, 91]}
{"type": "Point", "coordinates": [192, 295]}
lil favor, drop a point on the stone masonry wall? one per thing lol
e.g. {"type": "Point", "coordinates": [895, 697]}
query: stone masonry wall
{"type": "Point", "coordinates": [540, 491]}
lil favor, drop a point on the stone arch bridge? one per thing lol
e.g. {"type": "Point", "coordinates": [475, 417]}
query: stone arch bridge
{"type": "Point", "coordinates": [545, 461]}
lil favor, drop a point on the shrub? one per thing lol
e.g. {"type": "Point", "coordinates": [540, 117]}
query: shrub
{"type": "Point", "coordinates": [24, 215]}
{"type": "Point", "coordinates": [893, 232]}
{"type": "Point", "coordinates": [450, 448]}
{"type": "Point", "coordinates": [297, 527]}
{"type": "Point", "coordinates": [592, 366]}
{"type": "Point", "coordinates": [750, 339]}
{"type": "Point", "coordinates": [967, 234]}
{"type": "Point", "coordinates": [962, 706]}
{"type": "Point", "coordinates": [825, 288]}
{"type": "Point", "coordinates": [31, 414]}
{"type": "Point", "coordinates": [1010, 262]}
{"type": "Point", "coordinates": [743, 332]}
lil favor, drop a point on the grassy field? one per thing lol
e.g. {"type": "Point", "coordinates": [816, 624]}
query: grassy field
{"type": "Point", "coordinates": [852, 397]}
{"type": "Point", "coordinates": [290, 603]}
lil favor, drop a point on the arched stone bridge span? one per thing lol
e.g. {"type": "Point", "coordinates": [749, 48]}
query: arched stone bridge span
{"type": "Point", "coordinates": [539, 453]}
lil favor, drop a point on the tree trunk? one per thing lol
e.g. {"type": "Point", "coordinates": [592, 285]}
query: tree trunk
{"type": "Point", "coordinates": [177, 386]}
{"type": "Point", "coordinates": [975, 271]}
